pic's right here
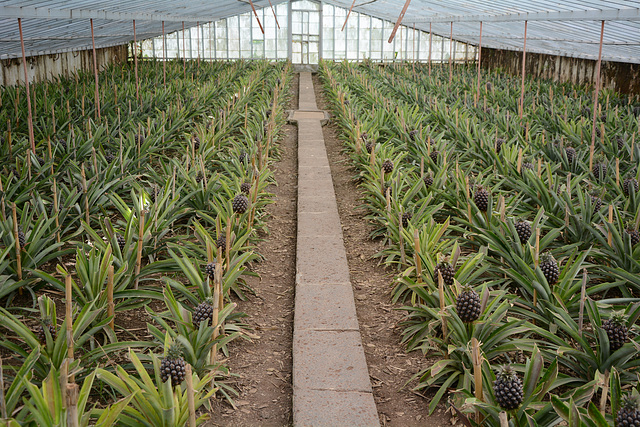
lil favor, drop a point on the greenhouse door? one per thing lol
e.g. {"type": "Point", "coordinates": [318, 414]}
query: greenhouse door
{"type": "Point", "coordinates": [305, 32]}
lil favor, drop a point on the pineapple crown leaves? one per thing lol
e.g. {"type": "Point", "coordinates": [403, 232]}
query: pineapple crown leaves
{"type": "Point", "coordinates": [631, 401]}
{"type": "Point", "coordinates": [507, 372]}
{"type": "Point", "coordinates": [618, 318]}
{"type": "Point", "coordinates": [173, 350]}
{"type": "Point", "coordinates": [547, 257]}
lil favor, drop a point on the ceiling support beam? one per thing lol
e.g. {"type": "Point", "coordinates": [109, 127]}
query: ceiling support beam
{"type": "Point", "coordinates": [628, 14]}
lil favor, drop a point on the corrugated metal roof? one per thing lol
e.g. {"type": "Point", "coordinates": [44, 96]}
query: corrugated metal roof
{"type": "Point", "coordinates": [568, 28]}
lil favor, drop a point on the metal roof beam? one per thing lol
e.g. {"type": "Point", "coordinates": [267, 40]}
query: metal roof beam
{"type": "Point", "coordinates": [627, 14]}
{"type": "Point", "coordinates": [9, 11]}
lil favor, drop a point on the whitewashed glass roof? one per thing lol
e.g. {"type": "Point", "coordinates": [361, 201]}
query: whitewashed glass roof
{"type": "Point", "coordinates": [568, 28]}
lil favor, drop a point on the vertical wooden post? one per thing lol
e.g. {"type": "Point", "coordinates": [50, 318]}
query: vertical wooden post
{"type": "Point", "coordinates": [184, 53]}
{"type": "Point", "coordinates": [596, 95]}
{"type": "Point", "coordinates": [416, 250]}
{"type": "Point", "coordinates": [32, 138]}
{"type": "Point", "coordinates": [190, 396]}
{"type": "Point", "coordinates": [451, 53]}
{"type": "Point", "coordinates": [524, 58]}
{"type": "Point", "coordinates": [15, 235]}
{"type": "Point", "coordinates": [477, 372]}
{"type": "Point", "coordinates": [3, 404]}
{"type": "Point", "coordinates": [135, 60]}
{"type": "Point", "coordinates": [609, 235]}
{"type": "Point", "coordinates": [164, 59]}
{"type": "Point", "coordinates": [442, 313]}
{"type": "Point", "coordinates": [95, 73]}
{"type": "Point", "coordinates": [479, 58]}
{"type": "Point", "coordinates": [86, 196]}
{"type": "Point", "coordinates": [140, 243]}
{"type": "Point", "coordinates": [110, 304]}
{"type": "Point", "coordinates": [536, 260]}
{"type": "Point", "coordinates": [69, 319]}
{"type": "Point", "coordinates": [582, 300]}
{"type": "Point", "coordinates": [71, 398]}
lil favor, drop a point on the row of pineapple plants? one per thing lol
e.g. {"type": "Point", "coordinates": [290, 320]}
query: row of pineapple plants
{"type": "Point", "coordinates": [158, 197]}
{"type": "Point", "coordinates": [533, 235]}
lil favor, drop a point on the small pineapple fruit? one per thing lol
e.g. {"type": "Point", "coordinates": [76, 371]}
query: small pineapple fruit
{"type": "Point", "coordinates": [527, 166]}
{"type": "Point", "coordinates": [245, 187]}
{"type": "Point", "coordinates": [622, 142]}
{"type": "Point", "coordinates": [121, 242]}
{"type": "Point", "coordinates": [199, 177]}
{"type": "Point", "coordinates": [616, 329]}
{"type": "Point", "coordinates": [499, 143]}
{"type": "Point", "coordinates": [508, 388]}
{"type": "Point", "coordinates": [571, 154]}
{"type": "Point", "coordinates": [210, 270]}
{"type": "Point", "coordinates": [406, 217]}
{"type": "Point", "coordinates": [629, 413]}
{"type": "Point", "coordinates": [428, 180]}
{"type": "Point", "coordinates": [240, 204]}
{"type": "Point", "coordinates": [549, 267]}
{"type": "Point", "coordinates": [630, 184]}
{"type": "Point", "coordinates": [434, 156]}
{"type": "Point", "coordinates": [481, 198]}
{"type": "Point", "coordinates": [22, 238]}
{"type": "Point", "coordinates": [369, 147]}
{"type": "Point", "coordinates": [387, 188]}
{"type": "Point", "coordinates": [221, 242]}
{"type": "Point", "coordinates": [600, 170]}
{"type": "Point", "coordinates": [203, 313]}
{"type": "Point", "coordinates": [523, 228]}
{"type": "Point", "coordinates": [387, 166]}
{"type": "Point", "coordinates": [109, 157]}
{"type": "Point", "coordinates": [447, 272]}
{"type": "Point", "coordinates": [62, 143]}
{"type": "Point", "coordinates": [139, 139]}
{"type": "Point", "coordinates": [46, 325]}
{"type": "Point", "coordinates": [244, 157]}
{"type": "Point", "coordinates": [196, 143]}
{"type": "Point", "coordinates": [413, 134]}
{"type": "Point", "coordinates": [468, 305]}
{"type": "Point", "coordinates": [173, 365]}
{"type": "Point", "coordinates": [596, 203]}
{"type": "Point", "coordinates": [633, 234]}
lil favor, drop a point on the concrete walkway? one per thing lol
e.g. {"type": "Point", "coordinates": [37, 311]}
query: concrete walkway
{"type": "Point", "coordinates": [331, 384]}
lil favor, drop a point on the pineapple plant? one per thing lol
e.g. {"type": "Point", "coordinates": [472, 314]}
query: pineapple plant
{"type": "Point", "coordinates": [434, 156]}
{"type": "Point", "coordinates": [446, 270]}
{"type": "Point", "coordinates": [523, 228]}
{"type": "Point", "coordinates": [173, 365]}
{"type": "Point", "coordinates": [46, 324]}
{"type": "Point", "coordinates": [550, 269]}
{"type": "Point", "coordinates": [245, 188]}
{"type": "Point", "coordinates": [508, 389]}
{"type": "Point", "coordinates": [387, 166]}
{"type": "Point", "coordinates": [481, 198]}
{"type": "Point", "coordinates": [596, 202]}
{"type": "Point", "coordinates": [203, 313]}
{"type": "Point", "coordinates": [616, 329]}
{"type": "Point", "coordinates": [22, 238]}
{"type": "Point", "coordinates": [629, 412]}
{"type": "Point", "coordinates": [599, 170]}
{"type": "Point", "coordinates": [240, 204]}
{"type": "Point", "coordinates": [468, 305]}
{"type": "Point", "coordinates": [630, 184]}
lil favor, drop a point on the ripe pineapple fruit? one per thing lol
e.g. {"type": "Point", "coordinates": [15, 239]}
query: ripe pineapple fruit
{"type": "Point", "coordinates": [446, 270]}
{"type": "Point", "coordinates": [468, 305]}
{"type": "Point", "coordinates": [600, 170]}
{"type": "Point", "coordinates": [616, 329]}
{"type": "Point", "coordinates": [550, 269]}
{"type": "Point", "coordinates": [508, 388]}
{"type": "Point", "coordinates": [203, 313]}
{"type": "Point", "coordinates": [173, 365]}
{"type": "Point", "coordinates": [245, 187]}
{"type": "Point", "coordinates": [46, 325]}
{"type": "Point", "coordinates": [629, 413]}
{"type": "Point", "coordinates": [387, 166]}
{"type": "Point", "coordinates": [630, 184]}
{"type": "Point", "coordinates": [240, 204]}
{"type": "Point", "coordinates": [523, 228]}
{"type": "Point", "coordinates": [481, 198]}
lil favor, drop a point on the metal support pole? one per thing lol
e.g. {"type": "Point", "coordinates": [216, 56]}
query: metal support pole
{"type": "Point", "coordinates": [32, 138]}
{"type": "Point", "coordinates": [524, 57]}
{"type": "Point", "coordinates": [479, 58]}
{"type": "Point", "coordinates": [596, 96]}
{"type": "Point", "coordinates": [450, 53]}
{"type": "Point", "coordinates": [164, 56]}
{"type": "Point", "coordinates": [430, 44]}
{"type": "Point", "coordinates": [135, 60]}
{"type": "Point", "coordinates": [184, 53]}
{"type": "Point", "coordinates": [95, 71]}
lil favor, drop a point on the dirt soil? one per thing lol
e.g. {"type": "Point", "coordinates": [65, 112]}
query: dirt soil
{"type": "Point", "coordinates": [264, 365]}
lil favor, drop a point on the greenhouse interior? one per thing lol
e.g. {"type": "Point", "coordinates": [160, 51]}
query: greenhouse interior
{"type": "Point", "coordinates": [319, 213]}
